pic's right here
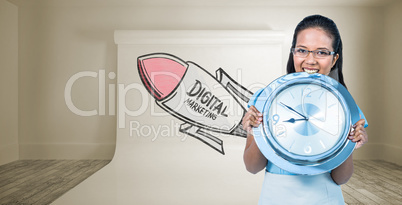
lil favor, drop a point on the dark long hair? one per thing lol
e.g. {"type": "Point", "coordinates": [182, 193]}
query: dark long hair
{"type": "Point", "coordinates": [329, 26]}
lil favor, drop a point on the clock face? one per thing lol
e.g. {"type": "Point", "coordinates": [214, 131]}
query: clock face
{"type": "Point", "coordinates": [306, 119]}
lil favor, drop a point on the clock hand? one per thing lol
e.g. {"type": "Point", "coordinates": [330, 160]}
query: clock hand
{"type": "Point", "coordinates": [292, 120]}
{"type": "Point", "coordinates": [294, 110]}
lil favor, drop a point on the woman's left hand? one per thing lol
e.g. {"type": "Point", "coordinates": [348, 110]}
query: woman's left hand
{"type": "Point", "coordinates": [358, 134]}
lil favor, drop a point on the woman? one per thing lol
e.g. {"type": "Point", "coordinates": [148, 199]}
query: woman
{"type": "Point", "coordinates": [316, 48]}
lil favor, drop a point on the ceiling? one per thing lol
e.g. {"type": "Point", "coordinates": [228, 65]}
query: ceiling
{"type": "Point", "coordinates": [214, 3]}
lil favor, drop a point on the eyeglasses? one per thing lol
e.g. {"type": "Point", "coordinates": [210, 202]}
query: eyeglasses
{"type": "Point", "coordinates": [300, 52]}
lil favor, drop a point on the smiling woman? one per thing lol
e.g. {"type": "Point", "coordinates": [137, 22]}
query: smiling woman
{"type": "Point", "coordinates": [319, 43]}
{"type": "Point", "coordinates": [319, 36]}
{"type": "Point", "coordinates": [317, 33]}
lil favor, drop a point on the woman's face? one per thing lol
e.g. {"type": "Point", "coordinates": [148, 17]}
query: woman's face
{"type": "Point", "coordinates": [314, 39]}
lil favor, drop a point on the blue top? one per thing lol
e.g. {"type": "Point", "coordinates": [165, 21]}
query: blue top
{"type": "Point", "coordinates": [272, 168]}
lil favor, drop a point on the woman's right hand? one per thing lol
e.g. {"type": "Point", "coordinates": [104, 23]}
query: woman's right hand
{"type": "Point", "coordinates": [252, 118]}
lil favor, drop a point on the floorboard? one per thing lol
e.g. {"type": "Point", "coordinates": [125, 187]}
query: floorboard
{"type": "Point", "coordinates": [43, 181]}
{"type": "Point", "coordinates": [374, 182]}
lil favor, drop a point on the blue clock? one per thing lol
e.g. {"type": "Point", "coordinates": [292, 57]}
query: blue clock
{"type": "Point", "coordinates": [306, 122]}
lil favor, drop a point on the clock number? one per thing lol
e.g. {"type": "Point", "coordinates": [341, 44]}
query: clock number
{"type": "Point", "coordinates": [275, 118]}
{"type": "Point", "coordinates": [321, 95]}
{"type": "Point", "coordinates": [322, 144]}
{"type": "Point", "coordinates": [308, 91]}
{"type": "Point", "coordinates": [307, 149]}
{"type": "Point", "coordinates": [280, 131]}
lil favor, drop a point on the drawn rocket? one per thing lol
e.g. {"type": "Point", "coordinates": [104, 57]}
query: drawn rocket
{"type": "Point", "coordinates": [206, 104]}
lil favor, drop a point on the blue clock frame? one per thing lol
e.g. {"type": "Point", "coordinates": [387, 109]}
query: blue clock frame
{"type": "Point", "coordinates": [299, 164]}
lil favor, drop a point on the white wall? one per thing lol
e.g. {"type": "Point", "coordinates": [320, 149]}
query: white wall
{"type": "Point", "coordinates": [391, 135]}
{"type": "Point", "coordinates": [8, 82]}
{"type": "Point", "coordinates": [55, 44]}
{"type": "Point", "coordinates": [58, 40]}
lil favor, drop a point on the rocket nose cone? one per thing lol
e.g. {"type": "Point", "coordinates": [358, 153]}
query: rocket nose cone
{"type": "Point", "coordinates": [161, 73]}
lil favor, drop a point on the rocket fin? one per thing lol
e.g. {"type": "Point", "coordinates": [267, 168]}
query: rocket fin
{"type": "Point", "coordinates": [232, 86]}
{"type": "Point", "coordinates": [205, 137]}
{"type": "Point", "coordinates": [237, 91]}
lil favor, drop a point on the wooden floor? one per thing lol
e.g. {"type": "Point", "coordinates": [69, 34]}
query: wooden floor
{"type": "Point", "coordinates": [374, 182]}
{"type": "Point", "coordinates": [43, 181]}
